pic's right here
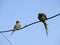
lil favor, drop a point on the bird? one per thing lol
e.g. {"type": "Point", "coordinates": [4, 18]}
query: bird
{"type": "Point", "coordinates": [17, 26]}
{"type": "Point", "coordinates": [42, 17]}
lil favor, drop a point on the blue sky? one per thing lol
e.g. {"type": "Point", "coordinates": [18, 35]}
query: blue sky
{"type": "Point", "coordinates": [26, 11]}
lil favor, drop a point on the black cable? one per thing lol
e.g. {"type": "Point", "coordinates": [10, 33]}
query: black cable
{"type": "Point", "coordinates": [31, 23]}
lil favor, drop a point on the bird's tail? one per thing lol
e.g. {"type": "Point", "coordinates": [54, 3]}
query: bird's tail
{"type": "Point", "coordinates": [12, 32]}
{"type": "Point", "coordinates": [46, 27]}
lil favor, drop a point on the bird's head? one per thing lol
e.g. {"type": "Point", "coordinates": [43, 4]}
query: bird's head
{"type": "Point", "coordinates": [41, 14]}
{"type": "Point", "coordinates": [17, 21]}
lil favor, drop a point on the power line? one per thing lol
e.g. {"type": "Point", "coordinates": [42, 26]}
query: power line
{"type": "Point", "coordinates": [31, 23]}
{"type": "Point", "coordinates": [7, 39]}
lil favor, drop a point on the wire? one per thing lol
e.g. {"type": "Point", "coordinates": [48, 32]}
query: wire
{"type": "Point", "coordinates": [6, 39]}
{"type": "Point", "coordinates": [31, 23]}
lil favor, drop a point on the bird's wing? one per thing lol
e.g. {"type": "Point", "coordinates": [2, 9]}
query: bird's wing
{"type": "Point", "coordinates": [14, 29]}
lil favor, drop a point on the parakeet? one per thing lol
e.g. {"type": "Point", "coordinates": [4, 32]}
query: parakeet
{"type": "Point", "coordinates": [42, 17]}
{"type": "Point", "coordinates": [16, 27]}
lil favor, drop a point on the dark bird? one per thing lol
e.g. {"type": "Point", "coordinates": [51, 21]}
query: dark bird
{"type": "Point", "coordinates": [42, 17]}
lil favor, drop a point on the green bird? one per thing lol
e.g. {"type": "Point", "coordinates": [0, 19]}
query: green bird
{"type": "Point", "coordinates": [42, 17]}
{"type": "Point", "coordinates": [16, 27]}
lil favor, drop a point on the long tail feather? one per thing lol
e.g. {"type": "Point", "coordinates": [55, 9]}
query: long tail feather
{"type": "Point", "coordinates": [46, 27]}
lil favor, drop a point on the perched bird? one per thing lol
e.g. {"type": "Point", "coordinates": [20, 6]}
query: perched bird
{"type": "Point", "coordinates": [42, 17]}
{"type": "Point", "coordinates": [16, 27]}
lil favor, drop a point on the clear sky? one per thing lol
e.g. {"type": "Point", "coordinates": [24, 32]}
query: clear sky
{"type": "Point", "coordinates": [26, 11]}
